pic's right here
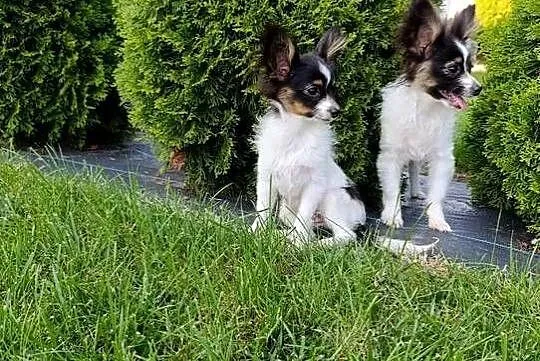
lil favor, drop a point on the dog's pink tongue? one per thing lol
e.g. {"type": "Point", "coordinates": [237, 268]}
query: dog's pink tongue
{"type": "Point", "coordinates": [457, 102]}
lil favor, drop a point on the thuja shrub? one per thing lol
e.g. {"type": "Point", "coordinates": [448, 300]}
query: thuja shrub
{"type": "Point", "coordinates": [190, 69]}
{"type": "Point", "coordinates": [501, 138]}
{"type": "Point", "coordinates": [57, 60]}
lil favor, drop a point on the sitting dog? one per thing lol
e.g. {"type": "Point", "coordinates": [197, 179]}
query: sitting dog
{"type": "Point", "coordinates": [419, 109]}
{"type": "Point", "coordinates": [295, 142]}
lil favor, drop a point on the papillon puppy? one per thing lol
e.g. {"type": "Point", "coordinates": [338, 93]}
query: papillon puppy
{"type": "Point", "coordinates": [420, 108]}
{"type": "Point", "coordinates": [295, 143]}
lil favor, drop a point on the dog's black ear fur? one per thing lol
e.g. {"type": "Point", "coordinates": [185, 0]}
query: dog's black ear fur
{"type": "Point", "coordinates": [420, 29]}
{"type": "Point", "coordinates": [279, 52]}
{"type": "Point", "coordinates": [331, 43]}
{"type": "Point", "coordinates": [464, 24]}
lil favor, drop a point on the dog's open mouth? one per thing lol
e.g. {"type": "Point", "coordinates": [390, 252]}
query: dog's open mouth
{"type": "Point", "coordinates": [457, 101]}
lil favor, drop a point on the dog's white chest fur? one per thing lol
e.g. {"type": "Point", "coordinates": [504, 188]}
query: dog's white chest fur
{"type": "Point", "coordinates": [414, 124]}
{"type": "Point", "coordinates": [296, 164]}
{"type": "Point", "coordinates": [295, 151]}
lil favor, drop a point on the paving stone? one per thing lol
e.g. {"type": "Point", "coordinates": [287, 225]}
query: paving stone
{"type": "Point", "coordinates": [480, 235]}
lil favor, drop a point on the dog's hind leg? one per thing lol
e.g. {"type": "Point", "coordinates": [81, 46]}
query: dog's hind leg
{"type": "Point", "coordinates": [302, 229]}
{"type": "Point", "coordinates": [343, 214]}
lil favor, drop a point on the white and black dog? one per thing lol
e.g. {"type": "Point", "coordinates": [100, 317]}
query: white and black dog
{"type": "Point", "coordinates": [295, 142]}
{"type": "Point", "coordinates": [419, 109]}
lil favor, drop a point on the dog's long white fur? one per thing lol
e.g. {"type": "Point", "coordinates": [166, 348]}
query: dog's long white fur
{"type": "Point", "coordinates": [415, 127]}
{"type": "Point", "coordinates": [296, 164]}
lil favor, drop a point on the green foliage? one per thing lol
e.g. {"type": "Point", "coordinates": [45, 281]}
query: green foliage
{"type": "Point", "coordinates": [502, 131]}
{"type": "Point", "coordinates": [518, 153]}
{"type": "Point", "coordinates": [190, 68]}
{"type": "Point", "coordinates": [57, 59]}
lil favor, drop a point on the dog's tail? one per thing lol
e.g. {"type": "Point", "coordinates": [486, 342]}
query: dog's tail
{"type": "Point", "coordinates": [401, 247]}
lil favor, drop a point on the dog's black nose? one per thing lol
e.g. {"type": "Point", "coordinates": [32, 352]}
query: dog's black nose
{"type": "Point", "coordinates": [477, 90]}
{"type": "Point", "coordinates": [334, 112]}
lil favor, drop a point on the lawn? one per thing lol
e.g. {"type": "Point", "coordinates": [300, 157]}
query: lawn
{"type": "Point", "coordinates": [96, 270]}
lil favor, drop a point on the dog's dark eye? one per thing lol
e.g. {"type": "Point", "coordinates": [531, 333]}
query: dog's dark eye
{"type": "Point", "coordinates": [312, 91]}
{"type": "Point", "coordinates": [452, 68]}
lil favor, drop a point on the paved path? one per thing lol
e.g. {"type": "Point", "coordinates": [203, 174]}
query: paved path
{"type": "Point", "coordinates": [480, 235]}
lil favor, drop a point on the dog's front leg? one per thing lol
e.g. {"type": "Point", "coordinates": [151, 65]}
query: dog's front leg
{"type": "Point", "coordinates": [441, 170]}
{"type": "Point", "coordinates": [389, 166]}
{"type": "Point", "coordinates": [303, 225]}
{"type": "Point", "coordinates": [266, 199]}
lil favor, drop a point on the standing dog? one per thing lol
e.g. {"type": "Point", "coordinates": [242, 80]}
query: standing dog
{"type": "Point", "coordinates": [419, 109]}
{"type": "Point", "coordinates": [295, 142]}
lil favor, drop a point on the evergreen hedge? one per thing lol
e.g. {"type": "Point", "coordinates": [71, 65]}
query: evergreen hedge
{"type": "Point", "coordinates": [190, 68]}
{"type": "Point", "coordinates": [57, 60]}
{"type": "Point", "coordinates": [501, 137]}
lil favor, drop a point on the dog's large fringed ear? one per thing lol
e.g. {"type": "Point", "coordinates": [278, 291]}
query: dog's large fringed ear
{"type": "Point", "coordinates": [279, 52]}
{"type": "Point", "coordinates": [464, 24]}
{"type": "Point", "coordinates": [421, 28]}
{"type": "Point", "coordinates": [331, 43]}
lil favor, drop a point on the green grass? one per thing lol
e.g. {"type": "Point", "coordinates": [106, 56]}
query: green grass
{"type": "Point", "coordinates": [96, 271]}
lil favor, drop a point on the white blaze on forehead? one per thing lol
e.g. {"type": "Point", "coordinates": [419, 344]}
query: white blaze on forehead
{"type": "Point", "coordinates": [467, 80]}
{"type": "Point", "coordinates": [326, 72]}
{"type": "Point", "coordinates": [464, 51]}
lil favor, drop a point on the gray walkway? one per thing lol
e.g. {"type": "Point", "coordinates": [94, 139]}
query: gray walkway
{"type": "Point", "coordinates": [481, 236]}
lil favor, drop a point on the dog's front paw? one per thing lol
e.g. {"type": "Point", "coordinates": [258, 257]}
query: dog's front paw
{"type": "Point", "coordinates": [256, 224]}
{"type": "Point", "coordinates": [392, 218]}
{"type": "Point", "coordinates": [439, 224]}
{"type": "Point", "coordinates": [296, 237]}
{"type": "Point", "coordinates": [436, 219]}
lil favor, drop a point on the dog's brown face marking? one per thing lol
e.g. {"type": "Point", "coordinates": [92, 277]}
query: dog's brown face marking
{"type": "Point", "coordinates": [300, 83]}
{"type": "Point", "coordinates": [423, 75]}
{"type": "Point", "coordinates": [438, 52]}
{"type": "Point", "coordinates": [286, 96]}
